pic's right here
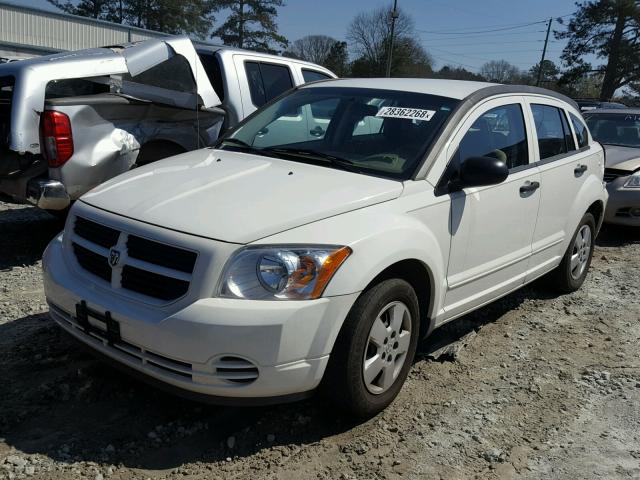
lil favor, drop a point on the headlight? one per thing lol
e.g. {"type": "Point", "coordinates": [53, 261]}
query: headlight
{"type": "Point", "coordinates": [281, 272]}
{"type": "Point", "coordinates": [634, 181]}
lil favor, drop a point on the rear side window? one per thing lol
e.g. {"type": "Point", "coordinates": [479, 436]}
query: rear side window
{"type": "Point", "coordinates": [554, 135]}
{"type": "Point", "coordinates": [498, 133]}
{"type": "Point", "coordinates": [267, 81]}
{"type": "Point", "coordinates": [313, 75]}
{"type": "Point", "coordinates": [581, 131]}
{"type": "Point", "coordinates": [74, 87]}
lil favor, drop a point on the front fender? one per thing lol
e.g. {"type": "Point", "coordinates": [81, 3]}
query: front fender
{"type": "Point", "coordinates": [379, 236]}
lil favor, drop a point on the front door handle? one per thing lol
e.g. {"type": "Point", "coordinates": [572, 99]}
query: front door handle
{"type": "Point", "coordinates": [579, 170]}
{"type": "Point", "coordinates": [529, 187]}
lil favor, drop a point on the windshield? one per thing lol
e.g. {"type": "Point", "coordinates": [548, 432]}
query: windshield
{"type": "Point", "coordinates": [378, 132]}
{"type": "Point", "coordinates": [615, 128]}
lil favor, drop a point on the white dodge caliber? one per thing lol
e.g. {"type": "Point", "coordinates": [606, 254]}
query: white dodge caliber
{"type": "Point", "coordinates": [326, 234]}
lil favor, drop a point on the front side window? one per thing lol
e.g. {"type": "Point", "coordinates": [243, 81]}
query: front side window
{"type": "Point", "coordinates": [554, 136]}
{"type": "Point", "coordinates": [498, 133]}
{"type": "Point", "coordinates": [581, 131]}
{"type": "Point", "coordinates": [378, 132]}
{"type": "Point", "coordinates": [267, 81]}
{"type": "Point", "coordinates": [615, 128]}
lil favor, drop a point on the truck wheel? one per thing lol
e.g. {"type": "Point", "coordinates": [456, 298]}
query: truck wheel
{"type": "Point", "coordinates": [375, 349]}
{"type": "Point", "coordinates": [154, 151]}
{"type": "Point", "coordinates": [570, 274]}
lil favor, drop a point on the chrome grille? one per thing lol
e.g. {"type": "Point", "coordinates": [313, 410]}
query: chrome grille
{"type": "Point", "coordinates": [144, 266]}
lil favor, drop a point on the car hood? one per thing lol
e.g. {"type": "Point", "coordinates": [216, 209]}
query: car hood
{"type": "Point", "coordinates": [622, 158]}
{"type": "Point", "coordinates": [237, 197]}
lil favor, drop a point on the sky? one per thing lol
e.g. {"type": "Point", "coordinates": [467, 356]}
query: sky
{"type": "Point", "coordinates": [442, 27]}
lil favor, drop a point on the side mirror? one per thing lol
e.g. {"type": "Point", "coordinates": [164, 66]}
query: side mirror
{"type": "Point", "coordinates": [480, 172]}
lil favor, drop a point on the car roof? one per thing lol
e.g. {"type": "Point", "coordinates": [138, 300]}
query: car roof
{"type": "Point", "coordinates": [458, 89]}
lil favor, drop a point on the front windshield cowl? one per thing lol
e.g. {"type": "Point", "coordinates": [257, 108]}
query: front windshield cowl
{"type": "Point", "coordinates": [377, 132]}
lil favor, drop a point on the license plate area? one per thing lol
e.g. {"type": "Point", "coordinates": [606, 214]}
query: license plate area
{"type": "Point", "coordinates": [95, 322]}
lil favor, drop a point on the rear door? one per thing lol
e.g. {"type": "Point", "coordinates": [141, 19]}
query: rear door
{"type": "Point", "coordinates": [564, 165]}
{"type": "Point", "coordinates": [492, 227]}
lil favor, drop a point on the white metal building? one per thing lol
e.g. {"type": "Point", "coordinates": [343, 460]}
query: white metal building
{"type": "Point", "coordinates": [27, 32]}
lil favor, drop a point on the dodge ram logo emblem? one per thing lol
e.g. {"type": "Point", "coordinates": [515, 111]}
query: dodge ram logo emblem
{"type": "Point", "coordinates": [114, 257]}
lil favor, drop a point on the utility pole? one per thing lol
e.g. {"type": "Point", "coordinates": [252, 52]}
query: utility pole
{"type": "Point", "coordinates": [544, 52]}
{"type": "Point", "coordinates": [394, 16]}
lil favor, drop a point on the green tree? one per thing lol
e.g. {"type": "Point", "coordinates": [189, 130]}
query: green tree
{"type": "Point", "coordinates": [251, 24]}
{"type": "Point", "coordinates": [323, 50]}
{"type": "Point", "coordinates": [338, 59]}
{"type": "Point", "coordinates": [370, 33]}
{"type": "Point", "coordinates": [550, 71]}
{"type": "Point", "coordinates": [192, 17]}
{"type": "Point", "coordinates": [610, 30]}
{"type": "Point", "coordinates": [110, 10]}
{"type": "Point", "coordinates": [457, 73]}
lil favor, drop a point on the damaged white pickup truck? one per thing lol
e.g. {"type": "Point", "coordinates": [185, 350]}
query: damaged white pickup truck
{"type": "Point", "coordinates": [73, 120]}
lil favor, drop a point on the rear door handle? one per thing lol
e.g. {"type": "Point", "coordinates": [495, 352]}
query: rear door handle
{"type": "Point", "coordinates": [579, 170]}
{"type": "Point", "coordinates": [529, 187]}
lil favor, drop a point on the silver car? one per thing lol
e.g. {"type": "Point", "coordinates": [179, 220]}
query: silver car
{"type": "Point", "coordinates": [619, 133]}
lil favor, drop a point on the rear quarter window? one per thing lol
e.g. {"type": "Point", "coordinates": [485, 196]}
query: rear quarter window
{"type": "Point", "coordinates": [581, 131]}
{"type": "Point", "coordinates": [313, 75]}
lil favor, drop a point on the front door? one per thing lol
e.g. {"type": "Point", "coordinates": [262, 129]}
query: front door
{"type": "Point", "coordinates": [492, 227]}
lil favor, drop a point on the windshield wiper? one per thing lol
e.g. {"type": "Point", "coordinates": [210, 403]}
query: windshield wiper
{"type": "Point", "coordinates": [342, 163]}
{"type": "Point", "coordinates": [236, 142]}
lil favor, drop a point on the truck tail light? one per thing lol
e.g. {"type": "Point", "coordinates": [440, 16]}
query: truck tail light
{"type": "Point", "coordinates": [56, 138]}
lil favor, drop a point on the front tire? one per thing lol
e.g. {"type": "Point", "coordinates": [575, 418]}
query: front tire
{"type": "Point", "coordinates": [374, 351]}
{"type": "Point", "coordinates": [572, 271]}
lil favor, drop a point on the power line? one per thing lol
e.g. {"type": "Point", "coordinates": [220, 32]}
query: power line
{"type": "Point", "coordinates": [482, 31]}
{"type": "Point", "coordinates": [473, 57]}
{"type": "Point", "coordinates": [428, 44]}
{"type": "Point", "coordinates": [486, 35]}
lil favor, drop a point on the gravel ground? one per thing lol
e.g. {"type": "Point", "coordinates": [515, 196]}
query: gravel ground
{"type": "Point", "coordinates": [532, 386]}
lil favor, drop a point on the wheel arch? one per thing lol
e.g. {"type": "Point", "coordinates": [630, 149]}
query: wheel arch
{"type": "Point", "coordinates": [420, 277]}
{"type": "Point", "coordinates": [597, 210]}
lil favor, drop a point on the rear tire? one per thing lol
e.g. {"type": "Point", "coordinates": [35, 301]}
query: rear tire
{"type": "Point", "coordinates": [572, 271]}
{"type": "Point", "coordinates": [369, 363]}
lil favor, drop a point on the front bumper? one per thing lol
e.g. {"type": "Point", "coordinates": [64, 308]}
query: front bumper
{"type": "Point", "coordinates": [623, 207]}
{"type": "Point", "coordinates": [214, 347]}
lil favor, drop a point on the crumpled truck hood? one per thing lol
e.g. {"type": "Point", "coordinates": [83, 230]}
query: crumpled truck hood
{"type": "Point", "coordinates": [237, 197]}
{"type": "Point", "coordinates": [32, 76]}
{"type": "Point", "coordinates": [622, 158]}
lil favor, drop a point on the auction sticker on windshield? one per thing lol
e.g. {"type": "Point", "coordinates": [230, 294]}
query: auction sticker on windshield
{"type": "Point", "coordinates": [407, 113]}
